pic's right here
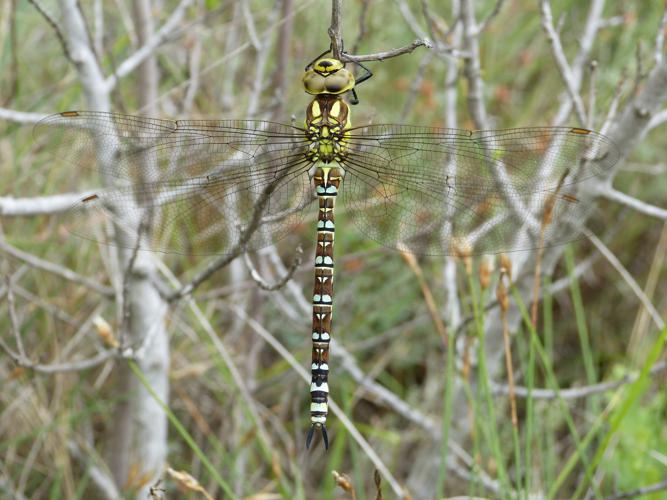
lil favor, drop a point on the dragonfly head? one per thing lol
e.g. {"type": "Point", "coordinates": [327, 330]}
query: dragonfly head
{"type": "Point", "coordinates": [328, 76]}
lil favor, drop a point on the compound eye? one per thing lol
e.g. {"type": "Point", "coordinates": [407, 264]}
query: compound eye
{"type": "Point", "coordinates": [313, 82]}
{"type": "Point", "coordinates": [339, 82]}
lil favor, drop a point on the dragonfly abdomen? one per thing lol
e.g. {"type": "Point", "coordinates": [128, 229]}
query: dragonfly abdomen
{"type": "Point", "coordinates": [327, 181]}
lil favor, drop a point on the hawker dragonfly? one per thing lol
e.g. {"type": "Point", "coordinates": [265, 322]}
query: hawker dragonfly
{"type": "Point", "coordinates": [208, 186]}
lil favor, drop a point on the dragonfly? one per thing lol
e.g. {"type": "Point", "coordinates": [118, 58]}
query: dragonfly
{"type": "Point", "coordinates": [214, 186]}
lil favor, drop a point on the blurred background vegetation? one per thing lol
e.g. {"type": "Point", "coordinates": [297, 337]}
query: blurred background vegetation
{"type": "Point", "coordinates": [593, 328]}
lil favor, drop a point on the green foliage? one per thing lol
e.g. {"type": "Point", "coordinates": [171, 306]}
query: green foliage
{"type": "Point", "coordinates": [639, 456]}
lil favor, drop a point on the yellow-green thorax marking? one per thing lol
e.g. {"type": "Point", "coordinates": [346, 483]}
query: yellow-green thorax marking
{"type": "Point", "coordinates": [327, 125]}
{"type": "Point", "coordinates": [328, 115]}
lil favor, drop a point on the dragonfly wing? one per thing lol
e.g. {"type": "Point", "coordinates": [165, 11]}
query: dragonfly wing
{"type": "Point", "coordinates": [439, 191]}
{"type": "Point", "coordinates": [140, 149]}
{"type": "Point", "coordinates": [195, 183]}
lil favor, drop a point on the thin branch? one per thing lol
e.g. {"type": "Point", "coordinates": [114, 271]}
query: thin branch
{"type": "Point", "coordinates": [250, 25]}
{"type": "Point", "coordinates": [645, 490]}
{"type": "Point", "coordinates": [104, 484]}
{"type": "Point", "coordinates": [261, 282]}
{"type": "Point", "coordinates": [303, 5]}
{"type": "Point", "coordinates": [335, 30]}
{"type": "Point", "coordinates": [56, 269]}
{"type": "Point", "coordinates": [575, 392]}
{"type": "Point", "coordinates": [485, 24]}
{"type": "Point", "coordinates": [416, 83]}
{"type": "Point", "coordinates": [561, 61]}
{"type": "Point", "coordinates": [160, 37]}
{"type": "Point", "coordinates": [439, 325]}
{"type": "Point", "coordinates": [72, 366]}
{"type": "Point", "coordinates": [634, 203]}
{"type": "Point", "coordinates": [443, 49]}
{"type": "Point", "coordinates": [592, 94]}
{"type": "Point", "coordinates": [363, 25]}
{"type": "Point", "coordinates": [13, 319]}
{"type": "Point", "coordinates": [613, 260]}
{"type": "Point", "coordinates": [261, 62]}
{"type": "Point", "coordinates": [660, 38]}
{"type": "Point", "coordinates": [472, 66]}
{"type": "Point", "coordinates": [20, 116]}
{"type": "Point", "coordinates": [410, 19]}
{"type": "Point", "coordinates": [127, 275]}
{"type": "Point", "coordinates": [631, 124]}
{"type": "Point", "coordinates": [40, 205]}
{"type": "Point", "coordinates": [56, 28]}
{"type": "Point", "coordinates": [381, 56]}
{"type": "Point", "coordinates": [657, 119]}
{"type": "Point", "coordinates": [98, 27]}
{"type": "Point", "coordinates": [593, 25]}
{"type": "Point", "coordinates": [12, 83]}
{"type": "Point", "coordinates": [235, 251]}
{"type": "Point", "coordinates": [194, 67]}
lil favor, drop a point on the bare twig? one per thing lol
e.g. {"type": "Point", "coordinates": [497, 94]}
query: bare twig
{"type": "Point", "coordinates": [261, 61]}
{"type": "Point", "coordinates": [13, 319]}
{"type": "Point", "coordinates": [381, 56]}
{"type": "Point", "coordinates": [575, 392]}
{"type": "Point", "coordinates": [72, 366]}
{"type": "Point", "coordinates": [305, 4]}
{"type": "Point", "coordinates": [250, 25]}
{"type": "Point", "coordinates": [98, 27]}
{"type": "Point", "coordinates": [658, 119]}
{"type": "Point", "coordinates": [472, 66]}
{"type": "Point", "coordinates": [660, 38]}
{"type": "Point", "coordinates": [56, 28]}
{"type": "Point", "coordinates": [20, 116]}
{"type": "Point", "coordinates": [561, 61]}
{"type": "Point", "coordinates": [40, 205]}
{"type": "Point", "coordinates": [194, 67]}
{"type": "Point", "coordinates": [592, 94]}
{"type": "Point", "coordinates": [335, 30]}
{"type": "Point", "coordinates": [428, 296]}
{"type": "Point", "coordinates": [613, 260]}
{"type": "Point", "coordinates": [547, 219]}
{"type": "Point", "coordinates": [284, 43]}
{"type": "Point", "coordinates": [442, 48]}
{"type": "Point", "coordinates": [261, 282]}
{"type": "Point", "coordinates": [503, 299]}
{"type": "Point", "coordinates": [631, 124]}
{"type": "Point", "coordinates": [143, 228]}
{"type": "Point", "coordinates": [104, 484]}
{"type": "Point", "coordinates": [486, 22]}
{"type": "Point", "coordinates": [416, 83]}
{"type": "Point", "coordinates": [639, 68]}
{"type": "Point", "coordinates": [234, 252]}
{"type": "Point", "coordinates": [56, 269]}
{"type": "Point", "coordinates": [160, 37]}
{"type": "Point", "coordinates": [641, 327]}
{"type": "Point", "coordinates": [636, 204]}
{"type": "Point", "coordinates": [593, 25]}
{"type": "Point", "coordinates": [363, 25]}
{"type": "Point", "coordinates": [645, 490]}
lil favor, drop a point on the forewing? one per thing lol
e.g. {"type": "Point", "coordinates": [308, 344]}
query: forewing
{"type": "Point", "coordinates": [440, 191]}
{"type": "Point", "coordinates": [194, 186]}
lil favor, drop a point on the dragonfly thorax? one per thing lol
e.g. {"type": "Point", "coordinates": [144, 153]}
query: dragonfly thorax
{"type": "Point", "coordinates": [327, 124]}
